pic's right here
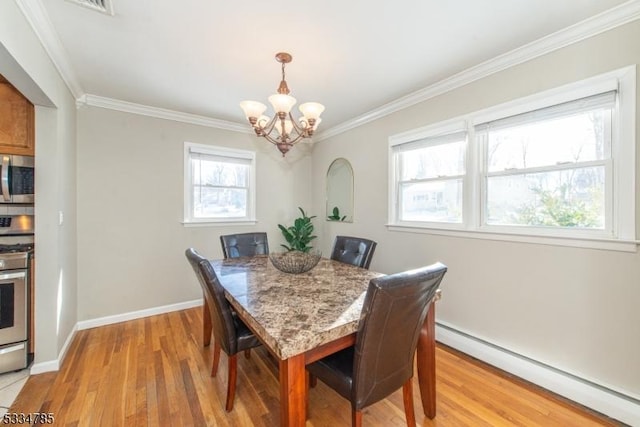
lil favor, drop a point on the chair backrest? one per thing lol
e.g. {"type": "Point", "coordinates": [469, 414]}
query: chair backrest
{"type": "Point", "coordinates": [393, 312]}
{"type": "Point", "coordinates": [244, 244]}
{"type": "Point", "coordinates": [353, 250]}
{"type": "Point", "coordinates": [224, 329]}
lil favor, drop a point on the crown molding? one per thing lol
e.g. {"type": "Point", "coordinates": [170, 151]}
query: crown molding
{"type": "Point", "coordinates": [39, 20]}
{"type": "Point", "coordinates": [160, 113]}
{"type": "Point", "coordinates": [612, 18]}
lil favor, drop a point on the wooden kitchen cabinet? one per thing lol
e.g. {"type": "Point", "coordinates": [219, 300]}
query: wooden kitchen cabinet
{"type": "Point", "coordinates": [17, 121]}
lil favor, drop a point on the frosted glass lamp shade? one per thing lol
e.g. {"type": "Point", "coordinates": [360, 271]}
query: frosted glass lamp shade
{"type": "Point", "coordinates": [311, 110]}
{"type": "Point", "coordinates": [252, 108]}
{"type": "Point", "coordinates": [282, 103]}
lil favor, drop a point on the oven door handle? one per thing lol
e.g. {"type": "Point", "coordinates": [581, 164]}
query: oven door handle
{"type": "Point", "coordinates": [4, 179]}
{"type": "Point", "coordinates": [17, 275]}
{"type": "Point", "coordinates": [12, 348]}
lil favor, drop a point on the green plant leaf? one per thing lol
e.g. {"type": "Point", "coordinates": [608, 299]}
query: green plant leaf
{"type": "Point", "coordinates": [300, 234]}
{"type": "Point", "coordinates": [335, 216]}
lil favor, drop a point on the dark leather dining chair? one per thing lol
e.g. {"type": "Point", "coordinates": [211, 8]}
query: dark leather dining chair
{"type": "Point", "coordinates": [244, 244]}
{"type": "Point", "coordinates": [230, 334]}
{"type": "Point", "coordinates": [353, 250]}
{"type": "Point", "coordinates": [381, 361]}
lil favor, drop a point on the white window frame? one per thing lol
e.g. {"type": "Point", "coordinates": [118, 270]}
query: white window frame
{"type": "Point", "coordinates": [429, 132]}
{"type": "Point", "coordinates": [620, 235]}
{"type": "Point", "coordinates": [606, 232]}
{"type": "Point", "coordinates": [189, 220]}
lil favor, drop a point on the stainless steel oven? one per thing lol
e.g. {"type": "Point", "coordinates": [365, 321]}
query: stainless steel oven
{"type": "Point", "coordinates": [13, 307]}
{"type": "Point", "coordinates": [17, 179]}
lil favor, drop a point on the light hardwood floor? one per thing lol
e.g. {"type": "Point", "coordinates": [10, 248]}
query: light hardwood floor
{"type": "Point", "coordinates": [155, 372]}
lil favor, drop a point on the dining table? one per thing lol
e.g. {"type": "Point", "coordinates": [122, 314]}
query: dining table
{"type": "Point", "coordinates": [301, 318]}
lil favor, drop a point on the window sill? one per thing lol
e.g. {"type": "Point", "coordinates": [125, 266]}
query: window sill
{"type": "Point", "coordinates": [588, 243]}
{"type": "Point", "coordinates": [219, 223]}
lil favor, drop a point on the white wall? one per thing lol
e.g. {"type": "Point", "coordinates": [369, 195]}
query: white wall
{"type": "Point", "coordinates": [131, 241]}
{"type": "Point", "coordinates": [24, 62]}
{"type": "Point", "coordinates": [572, 309]}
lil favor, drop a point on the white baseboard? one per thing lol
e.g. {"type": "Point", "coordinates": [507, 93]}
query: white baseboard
{"type": "Point", "coordinates": [605, 401]}
{"type": "Point", "coordinates": [42, 367]}
{"type": "Point", "coordinates": [54, 365]}
{"type": "Point", "coordinates": [117, 318]}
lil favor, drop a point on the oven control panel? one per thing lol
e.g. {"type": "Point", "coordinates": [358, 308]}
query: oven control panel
{"type": "Point", "coordinates": [16, 225]}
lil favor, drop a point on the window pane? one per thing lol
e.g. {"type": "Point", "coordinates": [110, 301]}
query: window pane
{"type": "Point", "coordinates": [219, 202]}
{"type": "Point", "coordinates": [208, 172]}
{"type": "Point", "coordinates": [577, 138]}
{"type": "Point", "coordinates": [567, 198]}
{"type": "Point", "coordinates": [437, 201]}
{"type": "Point", "coordinates": [433, 161]}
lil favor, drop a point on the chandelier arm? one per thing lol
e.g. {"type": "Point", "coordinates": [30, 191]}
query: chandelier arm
{"type": "Point", "coordinates": [296, 139]}
{"type": "Point", "coordinates": [300, 130]}
{"type": "Point", "coordinates": [266, 129]}
{"type": "Point", "coordinates": [288, 142]}
{"type": "Point", "coordinates": [271, 139]}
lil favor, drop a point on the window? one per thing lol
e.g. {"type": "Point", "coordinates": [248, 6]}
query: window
{"type": "Point", "coordinates": [559, 164]}
{"type": "Point", "coordinates": [219, 184]}
{"type": "Point", "coordinates": [547, 168]}
{"type": "Point", "coordinates": [430, 178]}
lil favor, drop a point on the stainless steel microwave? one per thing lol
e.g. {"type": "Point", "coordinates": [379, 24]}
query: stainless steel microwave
{"type": "Point", "coordinates": [17, 179]}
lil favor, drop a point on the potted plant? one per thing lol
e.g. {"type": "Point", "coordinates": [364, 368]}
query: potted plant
{"type": "Point", "coordinates": [335, 215]}
{"type": "Point", "coordinates": [300, 234]}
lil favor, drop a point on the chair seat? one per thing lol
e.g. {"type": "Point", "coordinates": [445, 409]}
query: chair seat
{"type": "Point", "coordinates": [336, 371]}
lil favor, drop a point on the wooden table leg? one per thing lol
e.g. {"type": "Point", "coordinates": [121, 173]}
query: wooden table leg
{"type": "Point", "coordinates": [426, 361]}
{"type": "Point", "coordinates": [293, 392]}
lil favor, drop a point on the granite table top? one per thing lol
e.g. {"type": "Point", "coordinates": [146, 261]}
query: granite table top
{"type": "Point", "coordinates": [294, 313]}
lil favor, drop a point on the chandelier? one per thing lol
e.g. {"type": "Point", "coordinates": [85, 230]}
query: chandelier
{"type": "Point", "coordinates": [283, 130]}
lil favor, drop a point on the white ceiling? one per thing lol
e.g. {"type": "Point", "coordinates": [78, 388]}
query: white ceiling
{"type": "Point", "coordinates": [203, 57]}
